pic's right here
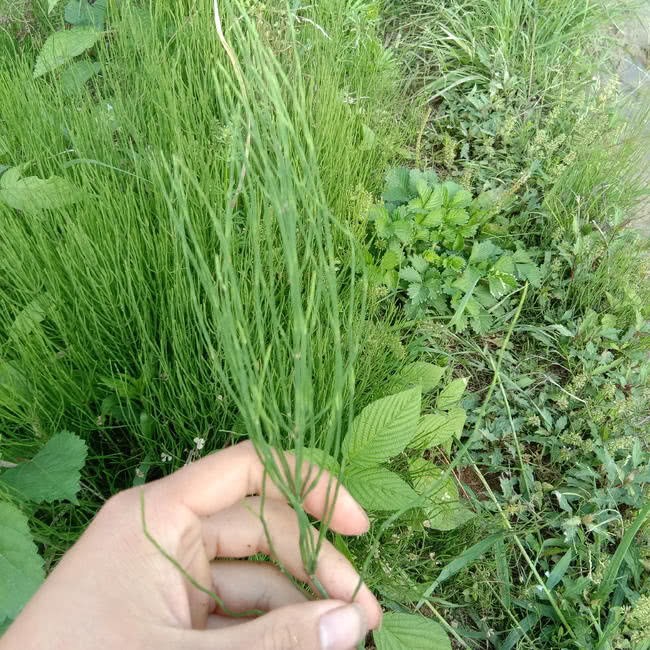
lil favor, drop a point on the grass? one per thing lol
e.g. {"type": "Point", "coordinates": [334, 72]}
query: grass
{"type": "Point", "coordinates": [210, 285]}
{"type": "Point", "coordinates": [125, 355]}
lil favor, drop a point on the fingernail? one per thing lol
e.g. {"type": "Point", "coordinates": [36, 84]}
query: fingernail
{"type": "Point", "coordinates": [342, 628]}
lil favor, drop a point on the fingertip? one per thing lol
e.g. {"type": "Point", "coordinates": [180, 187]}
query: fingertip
{"type": "Point", "coordinates": [349, 517]}
{"type": "Point", "coordinates": [371, 606]}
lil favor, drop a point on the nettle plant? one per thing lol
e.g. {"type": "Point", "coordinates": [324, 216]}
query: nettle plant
{"type": "Point", "coordinates": [430, 244]}
{"type": "Point", "coordinates": [392, 430]}
{"type": "Point", "coordinates": [393, 433]}
{"type": "Point", "coordinates": [64, 51]}
{"type": "Point", "coordinates": [53, 474]}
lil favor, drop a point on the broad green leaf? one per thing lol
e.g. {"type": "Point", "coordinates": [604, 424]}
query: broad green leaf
{"type": "Point", "coordinates": [451, 394]}
{"type": "Point", "coordinates": [501, 283]}
{"type": "Point", "coordinates": [21, 568]}
{"type": "Point", "coordinates": [434, 217]}
{"type": "Point", "coordinates": [63, 46]}
{"type": "Point", "coordinates": [322, 459]}
{"type": "Point", "coordinates": [389, 261]}
{"type": "Point", "coordinates": [445, 510]}
{"type": "Point", "coordinates": [383, 429]}
{"type": "Point", "coordinates": [397, 186]}
{"type": "Point", "coordinates": [423, 179]}
{"type": "Point", "coordinates": [457, 217]}
{"type": "Point", "coordinates": [419, 263]}
{"type": "Point", "coordinates": [468, 280]}
{"type": "Point", "coordinates": [377, 488]}
{"type": "Point", "coordinates": [53, 474]}
{"type": "Point", "coordinates": [417, 294]}
{"type": "Point", "coordinates": [82, 12]}
{"type": "Point", "coordinates": [462, 199]}
{"type": "Point", "coordinates": [403, 230]}
{"type": "Point", "coordinates": [410, 275]}
{"type": "Point", "coordinates": [51, 4]}
{"type": "Point", "coordinates": [437, 429]}
{"type": "Point", "coordinates": [526, 268]}
{"type": "Point", "coordinates": [32, 194]}
{"type": "Point", "coordinates": [482, 251]}
{"type": "Point", "coordinates": [76, 75]}
{"type": "Point", "coordinates": [410, 632]}
{"type": "Point", "coordinates": [382, 221]}
{"type": "Point", "coordinates": [419, 373]}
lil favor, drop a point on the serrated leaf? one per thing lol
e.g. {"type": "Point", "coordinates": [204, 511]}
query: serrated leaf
{"type": "Point", "coordinates": [434, 218]}
{"type": "Point", "coordinates": [462, 199]}
{"type": "Point", "coordinates": [421, 178]}
{"type": "Point", "coordinates": [468, 280]}
{"type": "Point", "coordinates": [419, 373]}
{"type": "Point", "coordinates": [379, 489]}
{"type": "Point", "coordinates": [53, 474]}
{"type": "Point", "coordinates": [389, 261]}
{"type": "Point", "coordinates": [410, 632]}
{"type": "Point", "coordinates": [444, 510]}
{"type": "Point", "coordinates": [482, 251]}
{"type": "Point", "coordinates": [451, 394]}
{"type": "Point", "coordinates": [457, 217]}
{"type": "Point", "coordinates": [21, 568]}
{"type": "Point", "coordinates": [437, 429]}
{"type": "Point", "coordinates": [383, 429]}
{"type": "Point", "coordinates": [530, 272]}
{"type": "Point", "coordinates": [63, 46]}
{"type": "Point", "coordinates": [410, 275]}
{"type": "Point", "coordinates": [418, 294]}
{"type": "Point", "coordinates": [501, 283]}
{"type": "Point", "coordinates": [419, 263]}
{"type": "Point", "coordinates": [32, 194]}
{"type": "Point", "coordinates": [505, 264]}
{"type": "Point", "coordinates": [397, 186]}
{"type": "Point", "coordinates": [403, 230]}
{"type": "Point", "coordinates": [76, 75]}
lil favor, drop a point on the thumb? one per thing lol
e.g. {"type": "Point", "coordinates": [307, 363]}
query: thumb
{"type": "Point", "coordinates": [318, 625]}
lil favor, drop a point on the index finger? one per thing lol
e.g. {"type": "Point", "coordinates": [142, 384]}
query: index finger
{"type": "Point", "coordinates": [224, 478]}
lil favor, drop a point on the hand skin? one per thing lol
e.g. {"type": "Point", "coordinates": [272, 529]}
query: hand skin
{"type": "Point", "coordinates": [113, 590]}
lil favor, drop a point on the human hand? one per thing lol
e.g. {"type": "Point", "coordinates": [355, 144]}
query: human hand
{"type": "Point", "coordinates": [115, 590]}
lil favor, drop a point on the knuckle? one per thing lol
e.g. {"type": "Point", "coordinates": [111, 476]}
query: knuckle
{"type": "Point", "coordinates": [117, 507]}
{"type": "Point", "coordinates": [281, 636]}
{"type": "Point", "coordinates": [118, 502]}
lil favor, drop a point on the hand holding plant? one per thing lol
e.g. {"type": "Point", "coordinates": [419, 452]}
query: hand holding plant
{"type": "Point", "coordinates": [143, 573]}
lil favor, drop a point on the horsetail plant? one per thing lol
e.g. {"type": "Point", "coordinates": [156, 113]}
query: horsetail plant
{"type": "Point", "coordinates": [277, 314]}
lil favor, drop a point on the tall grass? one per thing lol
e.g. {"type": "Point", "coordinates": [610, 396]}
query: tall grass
{"type": "Point", "coordinates": [121, 329]}
{"type": "Point", "coordinates": [471, 43]}
{"type": "Point", "coordinates": [205, 287]}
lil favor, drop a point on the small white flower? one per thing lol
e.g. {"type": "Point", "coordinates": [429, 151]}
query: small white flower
{"type": "Point", "coordinates": [426, 523]}
{"type": "Point", "coordinates": [199, 442]}
{"type": "Point", "coordinates": [166, 458]}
